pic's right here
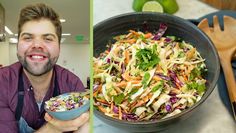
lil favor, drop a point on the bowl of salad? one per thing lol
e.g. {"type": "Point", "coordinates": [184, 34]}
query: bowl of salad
{"type": "Point", "coordinates": [151, 70]}
{"type": "Point", "coordinates": [68, 105]}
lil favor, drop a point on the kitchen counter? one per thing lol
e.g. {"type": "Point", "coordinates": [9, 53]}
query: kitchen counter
{"type": "Point", "coordinates": [214, 115]}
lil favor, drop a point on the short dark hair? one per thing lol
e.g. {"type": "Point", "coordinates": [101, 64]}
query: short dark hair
{"type": "Point", "coordinates": [37, 12]}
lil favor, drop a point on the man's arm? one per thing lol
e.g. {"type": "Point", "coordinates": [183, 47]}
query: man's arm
{"type": "Point", "coordinates": [8, 123]}
{"type": "Point", "coordinates": [47, 128]}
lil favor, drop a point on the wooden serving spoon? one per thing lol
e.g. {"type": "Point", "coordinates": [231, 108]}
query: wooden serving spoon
{"type": "Point", "coordinates": [225, 43]}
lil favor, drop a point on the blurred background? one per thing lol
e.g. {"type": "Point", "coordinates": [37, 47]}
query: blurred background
{"type": "Point", "coordinates": [74, 16]}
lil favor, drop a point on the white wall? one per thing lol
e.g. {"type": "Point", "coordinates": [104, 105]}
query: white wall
{"type": "Point", "coordinates": [74, 57]}
{"type": "Point", "coordinates": [4, 53]}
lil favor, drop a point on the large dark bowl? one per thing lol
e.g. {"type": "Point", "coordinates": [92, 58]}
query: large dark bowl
{"type": "Point", "coordinates": [106, 30]}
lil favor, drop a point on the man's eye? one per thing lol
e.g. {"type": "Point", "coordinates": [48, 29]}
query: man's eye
{"type": "Point", "coordinates": [48, 39]}
{"type": "Point", "coordinates": [27, 38]}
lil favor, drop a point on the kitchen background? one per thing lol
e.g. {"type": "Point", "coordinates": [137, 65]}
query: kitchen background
{"type": "Point", "coordinates": [74, 16]}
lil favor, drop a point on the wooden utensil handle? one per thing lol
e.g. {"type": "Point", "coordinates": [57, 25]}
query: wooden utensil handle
{"type": "Point", "coordinates": [229, 75]}
{"type": "Point", "coordinates": [225, 59]}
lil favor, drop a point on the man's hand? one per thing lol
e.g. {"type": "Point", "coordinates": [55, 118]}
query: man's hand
{"type": "Point", "coordinates": [79, 123]}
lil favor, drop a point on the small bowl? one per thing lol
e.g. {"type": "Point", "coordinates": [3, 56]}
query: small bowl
{"type": "Point", "coordinates": [73, 113]}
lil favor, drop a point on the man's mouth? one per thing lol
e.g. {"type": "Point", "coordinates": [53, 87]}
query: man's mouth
{"type": "Point", "coordinates": [37, 57]}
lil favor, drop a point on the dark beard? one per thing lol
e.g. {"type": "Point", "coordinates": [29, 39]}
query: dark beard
{"type": "Point", "coordinates": [51, 62]}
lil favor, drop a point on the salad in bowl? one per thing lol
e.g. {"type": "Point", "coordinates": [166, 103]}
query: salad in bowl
{"type": "Point", "coordinates": [148, 76]}
{"type": "Point", "coordinates": [68, 106]}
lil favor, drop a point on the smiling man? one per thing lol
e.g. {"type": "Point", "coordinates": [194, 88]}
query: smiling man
{"type": "Point", "coordinates": [27, 84]}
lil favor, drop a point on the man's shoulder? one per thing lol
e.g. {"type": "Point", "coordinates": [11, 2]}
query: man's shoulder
{"type": "Point", "coordinates": [8, 77]}
{"type": "Point", "coordinates": [11, 70]}
{"type": "Point", "coordinates": [61, 71]}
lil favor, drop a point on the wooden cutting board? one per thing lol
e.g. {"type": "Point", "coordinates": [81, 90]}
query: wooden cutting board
{"type": "Point", "coordinates": [222, 4]}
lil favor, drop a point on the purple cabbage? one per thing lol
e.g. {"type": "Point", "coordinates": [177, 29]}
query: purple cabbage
{"type": "Point", "coordinates": [125, 116]}
{"type": "Point", "coordinates": [175, 78]}
{"type": "Point", "coordinates": [95, 87]}
{"type": "Point", "coordinates": [108, 60]}
{"type": "Point", "coordinates": [185, 49]}
{"type": "Point", "coordinates": [173, 99]}
{"type": "Point", "coordinates": [131, 117]}
{"type": "Point", "coordinates": [115, 109]}
{"type": "Point", "coordinates": [122, 68]}
{"type": "Point", "coordinates": [168, 108]}
{"type": "Point", "coordinates": [163, 76]}
{"type": "Point", "coordinates": [160, 32]}
{"type": "Point", "coordinates": [168, 40]}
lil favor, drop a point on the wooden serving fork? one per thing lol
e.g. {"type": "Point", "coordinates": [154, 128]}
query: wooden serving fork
{"type": "Point", "coordinates": [225, 43]}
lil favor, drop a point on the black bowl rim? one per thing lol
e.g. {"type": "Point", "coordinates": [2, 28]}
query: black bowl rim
{"type": "Point", "coordinates": [186, 111]}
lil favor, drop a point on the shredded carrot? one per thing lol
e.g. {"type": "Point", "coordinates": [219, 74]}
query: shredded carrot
{"type": "Point", "coordinates": [185, 77]}
{"type": "Point", "coordinates": [99, 89]}
{"type": "Point", "coordinates": [102, 109]}
{"type": "Point", "coordinates": [107, 52]}
{"type": "Point", "coordinates": [142, 101]}
{"type": "Point", "coordinates": [127, 77]}
{"type": "Point", "coordinates": [148, 35]}
{"type": "Point", "coordinates": [121, 84]}
{"type": "Point", "coordinates": [101, 100]}
{"type": "Point", "coordinates": [127, 57]}
{"type": "Point", "coordinates": [135, 81]}
{"type": "Point", "coordinates": [159, 69]}
{"type": "Point", "coordinates": [134, 32]}
{"type": "Point", "coordinates": [133, 104]}
{"type": "Point", "coordinates": [95, 94]}
{"type": "Point", "coordinates": [178, 86]}
{"type": "Point", "coordinates": [130, 41]}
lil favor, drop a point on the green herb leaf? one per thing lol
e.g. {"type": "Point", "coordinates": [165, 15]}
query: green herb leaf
{"type": "Point", "coordinates": [154, 49]}
{"type": "Point", "coordinates": [145, 79]}
{"type": "Point", "coordinates": [133, 91]}
{"type": "Point", "coordinates": [142, 38]}
{"type": "Point", "coordinates": [194, 73]}
{"type": "Point", "coordinates": [181, 45]}
{"type": "Point", "coordinates": [119, 98]}
{"type": "Point", "coordinates": [146, 59]}
{"type": "Point", "coordinates": [181, 54]}
{"type": "Point", "coordinates": [158, 86]}
{"type": "Point", "coordinates": [172, 37]}
{"type": "Point", "coordinates": [76, 99]}
{"type": "Point", "coordinates": [199, 87]}
{"type": "Point", "coordinates": [129, 99]}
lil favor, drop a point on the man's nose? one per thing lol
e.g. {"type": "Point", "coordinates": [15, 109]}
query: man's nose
{"type": "Point", "coordinates": [37, 43]}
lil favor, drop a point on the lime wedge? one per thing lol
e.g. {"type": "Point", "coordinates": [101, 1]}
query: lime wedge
{"type": "Point", "coordinates": [138, 4]}
{"type": "Point", "coordinates": [170, 6]}
{"type": "Point", "coordinates": [152, 6]}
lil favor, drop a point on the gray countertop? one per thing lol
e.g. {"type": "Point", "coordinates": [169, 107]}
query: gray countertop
{"type": "Point", "coordinates": [214, 115]}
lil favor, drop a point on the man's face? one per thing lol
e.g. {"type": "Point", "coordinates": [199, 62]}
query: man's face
{"type": "Point", "coordinates": [38, 47]}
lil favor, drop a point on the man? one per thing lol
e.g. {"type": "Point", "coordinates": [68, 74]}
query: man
{"type": "Point", "coordinates": [27, 84]}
